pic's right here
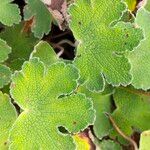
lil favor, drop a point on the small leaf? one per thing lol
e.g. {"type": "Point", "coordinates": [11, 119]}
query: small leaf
{"type": "Point", "coordinates": [45, 53]}
{"type": "Point", "coordinates": [7, 118]}
{"type": "Point", "coordinates": [132, 112]}
{"type": "Point", "coordinates": [102, 44]}
{"type": "Point", "coordinates": [21, 43]}
{"type": "Point", "coordinates": [41, 93]}
{"type": "Point", "coordinates": [5, 75]}
{"type": "Point", "coordinates": [4, 50]}
{"type": "Point", "coordinates": [141, 71]}
{"type": "Point", "coordinates": [145, 140]}
{"type": "Point", "coordinates": [37, 10]}
{"type": "Point", "coordinates": [9, 13]}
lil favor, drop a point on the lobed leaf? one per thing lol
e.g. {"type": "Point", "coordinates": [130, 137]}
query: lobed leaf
{"type": "Point", "coordinates": [42, 94]}
{"type": "Point", "coordinates": [9, 13]}
{"type": "Point", "coordinates": [37, 10]}
{"type": "Point", "coordinates": [100, 54]}
{"type": "Point", "coordinates": [21, 43]}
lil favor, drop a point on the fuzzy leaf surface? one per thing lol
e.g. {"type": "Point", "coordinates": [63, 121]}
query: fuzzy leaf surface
{"type": "Point", "coordinates": [141, 71]}
{"type": "Point", "coordinates": [37, 10]}
{"type": "Point", "coordinates": [7, 118]}
{"type": "Point", "coordinates": [102, 44]}
{"type": "Point", "coordinates": [40, 92]}
{"type": "Point", "coordinates": [9, 13]}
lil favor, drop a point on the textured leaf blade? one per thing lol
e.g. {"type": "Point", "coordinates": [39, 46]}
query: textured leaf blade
{"type": "Point", "coordinates": [101, 43]}
{"type": "Point", "coordinates": [40, 99]}
{"type": "Point", "coordinates": [7, 118]}
{"type": "Point", "coordinates": [9, 13]}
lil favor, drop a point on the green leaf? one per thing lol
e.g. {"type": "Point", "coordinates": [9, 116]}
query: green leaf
{"type": "Point", "coordinates": [7, 118]}
{"type": "Point", "coordinates": [4, 50]}
{"type": "Point", "coordinates": [102, 104]}
{"type": "Point", "coordinates": [5, 75]}
{"type": "Point", "coordinates": [37, 10]}
{"type": "Point", "coordinates": [145, 140]}
{"type": "Point", "coordinates": [42, 94]}
{"type": "Point", "coordinates": [141, 71]}
{"type": "Point", "coordinates": [132, 112]}
{"type": "Point", "coordinates": [9, 13]}
{"type": "Point", "coordinates": [22, 44]}
{"type": "Point", "coordinates": [109, 145]}
{"type": "Point", "coordinates": [102, 45]}
{"type": "Point", "coordinates": [45, 53]}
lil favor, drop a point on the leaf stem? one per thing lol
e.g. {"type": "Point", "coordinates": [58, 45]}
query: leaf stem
{"type": "Point", "coordinates": [120, 132]}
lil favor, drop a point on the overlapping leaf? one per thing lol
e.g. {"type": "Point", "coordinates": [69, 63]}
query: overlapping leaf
{"type": "Point", "coordinates": [139, 58]}
{"type": "Point", "coordinates": [132, 112]}
{"type": "Point", "coordinates": [22, 45]}
{"type": "Point", "coordinates": [7, 118]}
{"type": "Point", "coordinates": [37, 10]}
{"type": "Point", "coordinates": [45, 53]}
{"type": "Point", "coordinates": [40, 92]}
{"type": "Point", "coordinates": [9, 13]}
{"type": "Point", "coordinates": [101, 48]}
